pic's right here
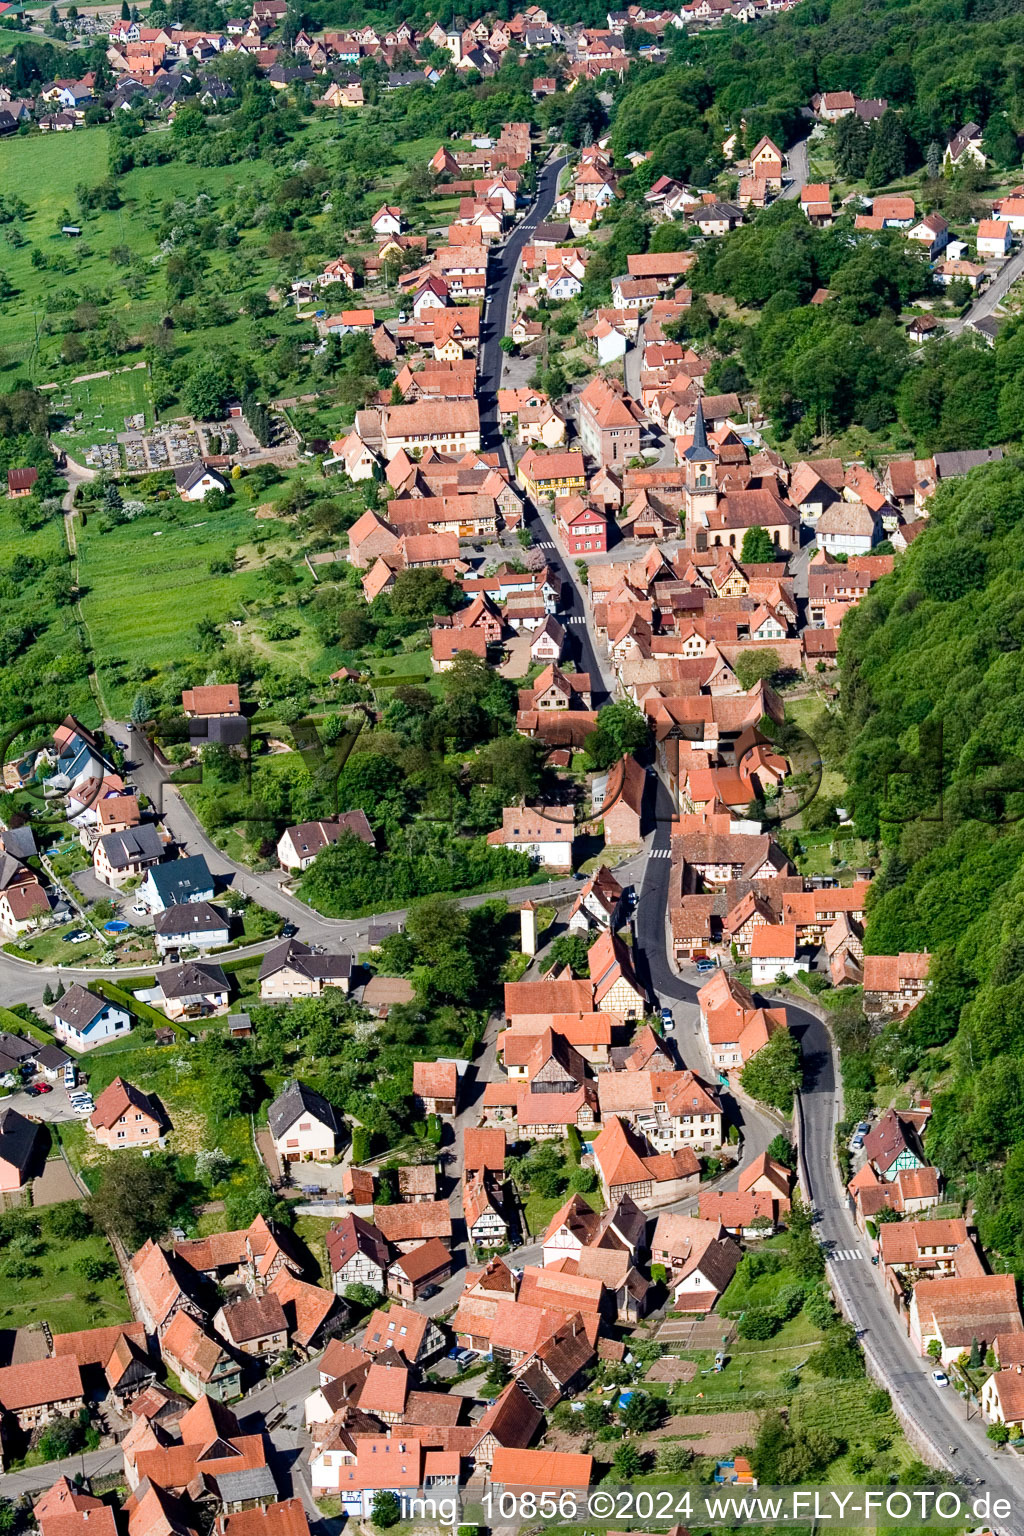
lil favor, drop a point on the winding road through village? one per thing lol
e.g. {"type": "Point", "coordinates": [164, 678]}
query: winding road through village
{"type": "Point", "coordinates": [939, 1416]}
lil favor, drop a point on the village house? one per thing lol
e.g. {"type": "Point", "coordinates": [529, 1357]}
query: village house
{"type": "Point", "coordinates": [82, 1020]}
{"type": "Point", "coordinates": [672, 1109]}
{"type": "Point", "coordinates": [192, 990]}
{"type": "Point", "coordinates": [38, 1391]}
{"type": "Point", "coordinates": [194, 482]}
{"type": "Point", "coordinates": [626, 1166]}
{"type": "Point", "coordinates": [298, 846]}
{"type": "Point", "coordinates": [126, 1117]}
{"type": "Point", "coordinates": [253, 1325]}
{"type": "Point", "coordinates": [955, 1313]}
{"type": "Point", "coordinates": [293, 969]}
{"type": "Point", "coordinates": [304, 1126]}
{"type": "Point", "coordinates": [581, 527]}
{"type": "Point", "coordinates": [128, 855]}
{"type": "Point", "coordinates": [773, 952]}
{"type": "Point", "coordinates": [894, 984]}
{"type": "Point", "coordinates": [357, 1254]}
{"type": "Point", "coordinates": [23, 1150]}
{"type": "Point", "coordinates": [413, 1273]}
{"type": "Point", "coordinates": [697, 1257]}
{"type": "Point", "coordinates": [552, 474]}
{"type": "Point", "coordinates": [193, 923]}
{"type": "Point", "coordinates": [435, 1086]}
{"type": "Point", "coordinates": [893, 1143]}
{"type": "Point", "coordinates": [609, 423]}
{"type": "Point", "coordinates": [415, 1337]}
{"type": "Point", "coordinates": [176, 882]}
{"type": "Point", "coordinates": [546, 836]}
{"type": "Point", "coordinates": [200, 1361]}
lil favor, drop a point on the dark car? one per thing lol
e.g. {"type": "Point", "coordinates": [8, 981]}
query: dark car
{"type": "Point", "coordinates": [289, 931]}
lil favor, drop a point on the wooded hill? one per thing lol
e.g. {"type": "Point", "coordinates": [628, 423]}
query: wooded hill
{"type": "Point", "coordinates": [933, 713]}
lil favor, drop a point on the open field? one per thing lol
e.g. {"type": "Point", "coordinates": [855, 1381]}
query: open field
{"type": "Point", "coordinates": [56, 1288]}
{"type": "Point", "coordinates": [147, 622]}
{"type": "Point", "coordinates": [96, 408]}
{"type": "Point", "coordinates": [154, 201]}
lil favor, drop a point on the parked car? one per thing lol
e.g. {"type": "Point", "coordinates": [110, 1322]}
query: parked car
{"type": "Point", "coordinates": [667, 1021]}
{"type": "Point", "coordinates": [77, 936]}
{"type": "Point", "coordinates": [940, 1378]}
{"type": "Point", "coordinates": [856, 1143]}
{"type": "Point", "coordinates": [70, 1075]}
{"type": "Point", "coordinates": [289, 931]}
{"type": "Point", "coordinates": [705, 966]}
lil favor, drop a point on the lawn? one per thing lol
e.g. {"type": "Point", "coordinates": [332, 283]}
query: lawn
{"type": "Point", "coordinates": [172, 1074]}
{"type": "Point", "coordinates": [147, 581]}
{"type": "Point", "coordinates": [49, 948]}
{"type": "Point", "coordinates": [57, 1292]}
{"type": "Point", "coordinates": [806, 713]}
{"type": "Point", "coordinates": [539, 1209]}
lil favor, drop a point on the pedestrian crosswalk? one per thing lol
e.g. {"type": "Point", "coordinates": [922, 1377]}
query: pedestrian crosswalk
{"type": "Point", "coordinates": [842, 1254]}
{"type": "Point", "coordinates": [660, 853]}
{"type": "Point", "coordinates": [545, 544]}
{"type": "Point", "coordinates": [575, 618]}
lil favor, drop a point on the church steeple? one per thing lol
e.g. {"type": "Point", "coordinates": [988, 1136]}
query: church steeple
{"type": "Point", "coordinates": [699, 449]}
{"type": "Point", "coordinates": [701, 481]}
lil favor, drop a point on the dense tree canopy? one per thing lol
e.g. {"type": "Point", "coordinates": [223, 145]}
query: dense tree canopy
{"type": "Point", "coordinates": [932, 679]}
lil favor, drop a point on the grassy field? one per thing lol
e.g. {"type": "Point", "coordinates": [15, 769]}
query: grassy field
{"type": "Point", "coordinates": [147, 581]}
{"type": "Point", "coordinates": [49, 948]}
{"type": "Point", "coordinates": [806, 713]}
{"type": "Point", "coordinates": [43, 172]}
{"type": "Point", "coordinates": [96, 408]}
{"type": "Point", "coordinates": [57, 1292]}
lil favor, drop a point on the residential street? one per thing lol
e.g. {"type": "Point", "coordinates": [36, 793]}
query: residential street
{"type": "Point", "coordinates": [960, 1446]}
{"type": "Point", "coordinates": [989, 299]}
{"type": "Point", "coordinates": [797, 169]}
{"type": "Point", "coordinates": [957, 1444]}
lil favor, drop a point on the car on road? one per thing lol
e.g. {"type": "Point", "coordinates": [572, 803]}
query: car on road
{"type": "Point", "coordinates": [129, 726]}
{"type": "Point", "coordinates": [940, 1378]}
{"type": "Point", "coordinates": [289, 931]}
{"type": "Point", "coordinates": [667, 1021]}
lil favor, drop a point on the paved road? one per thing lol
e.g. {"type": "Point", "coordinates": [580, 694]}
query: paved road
{"type": "Point", "coordinates": [501, 275]}
{"type": "Point", "coordinates": [940, 1412]}
{"type": "Point", "coordinates": [494, 325]}
{"type": "Point", "coordinates": [988, 300]}
{"type": "Point", "coordinates": [797, 168]}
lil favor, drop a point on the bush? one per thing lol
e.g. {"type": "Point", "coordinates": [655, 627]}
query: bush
{"type": "Point", "coordinates": [819, 1307]}
{"type": "Point", "coordinates": [758, 1323]}
{"type": "Point", "coordinates": [385, 1510]}
{"type": "Point", "coordinates": [68, 1221]}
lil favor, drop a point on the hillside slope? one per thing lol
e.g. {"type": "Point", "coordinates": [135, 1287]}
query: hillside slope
{"type": "Point", "coordinates": [933, 701]}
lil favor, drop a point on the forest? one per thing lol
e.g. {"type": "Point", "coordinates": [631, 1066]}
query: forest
{"type": "Point", "coordinates": [933, 728]}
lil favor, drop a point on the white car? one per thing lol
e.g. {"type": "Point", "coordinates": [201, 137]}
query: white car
{"type": "Point", "coordinates": [940, 1378]}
